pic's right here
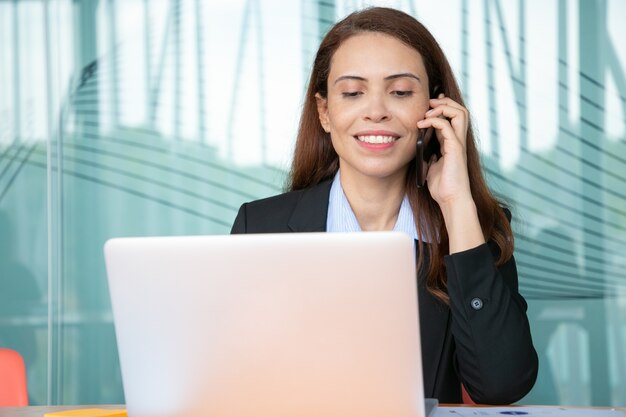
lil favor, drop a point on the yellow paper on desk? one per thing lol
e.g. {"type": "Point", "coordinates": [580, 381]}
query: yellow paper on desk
{"type": "Point", "coordinates": [88, 412]}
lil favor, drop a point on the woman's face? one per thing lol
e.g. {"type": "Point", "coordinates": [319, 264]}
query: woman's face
{"type": "Point", "coordinates": [377, 92]}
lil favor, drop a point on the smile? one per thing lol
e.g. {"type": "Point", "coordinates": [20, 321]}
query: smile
{"type": "Point", "coordinates": [376, 139]}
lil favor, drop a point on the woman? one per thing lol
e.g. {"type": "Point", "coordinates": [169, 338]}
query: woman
{"type": "Point", "coordinates": [372, 89]}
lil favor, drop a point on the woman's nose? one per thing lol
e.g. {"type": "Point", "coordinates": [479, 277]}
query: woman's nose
{"type": "Point", "coordinates": [377, 110]}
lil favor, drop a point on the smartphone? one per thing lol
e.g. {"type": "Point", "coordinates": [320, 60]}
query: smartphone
{"type": "Point", "coordinates": [427, 145]}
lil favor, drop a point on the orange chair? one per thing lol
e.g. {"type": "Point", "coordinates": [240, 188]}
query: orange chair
{"type": "Point", "coordinates": [466, 398]}
{"type": "Point", "coordinates": [13, 389]}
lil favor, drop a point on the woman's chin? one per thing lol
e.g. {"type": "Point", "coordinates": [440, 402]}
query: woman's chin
{"type": "Point", "coordinates": [375, 172]}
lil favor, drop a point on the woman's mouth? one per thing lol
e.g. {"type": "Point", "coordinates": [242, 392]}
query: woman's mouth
{"type": "Point", "coordinates": [376, 138]}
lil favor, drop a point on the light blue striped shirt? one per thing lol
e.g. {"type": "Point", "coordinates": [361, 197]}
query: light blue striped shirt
{"type": "Point", "coordinates": [341, 218]}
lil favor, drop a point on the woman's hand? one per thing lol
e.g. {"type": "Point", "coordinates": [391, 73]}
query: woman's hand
{"type": "Point", "coordinates": [448, 180]}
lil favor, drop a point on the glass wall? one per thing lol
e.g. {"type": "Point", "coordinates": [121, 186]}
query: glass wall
{"type": "Point", "coordinates": [160, 117]}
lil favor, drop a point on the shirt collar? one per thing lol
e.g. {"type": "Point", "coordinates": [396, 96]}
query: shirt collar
{"type": "Point", "coordinates": [341, 218]}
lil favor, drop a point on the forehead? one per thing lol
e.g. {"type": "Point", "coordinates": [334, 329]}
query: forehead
{"type": "Point", "coordinates": [375, 54]}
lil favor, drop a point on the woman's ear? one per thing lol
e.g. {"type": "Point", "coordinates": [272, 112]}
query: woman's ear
{"type": "Point", "coordinates": [322, 111]}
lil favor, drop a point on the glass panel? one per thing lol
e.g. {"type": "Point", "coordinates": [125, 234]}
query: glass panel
{"type": "Point", "coordinates": [23, 197]}
{"type": "Point", "coordinates": [141, 117]}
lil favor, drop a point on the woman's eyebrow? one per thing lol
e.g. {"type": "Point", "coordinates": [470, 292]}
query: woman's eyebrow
{"type": "Point", "coordinates": [387, 78]}
{"type": "Point", "coordinates": [402, 75]}
{"type": "Point", "coordinates": [349, 77]}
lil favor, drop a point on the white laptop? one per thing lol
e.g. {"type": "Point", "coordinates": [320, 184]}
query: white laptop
{"type": "Point", "coordinates": [275, 325]}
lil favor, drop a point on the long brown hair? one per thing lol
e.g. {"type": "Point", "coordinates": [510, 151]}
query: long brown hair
{"type": "Point", "coordinates": [315, 160]}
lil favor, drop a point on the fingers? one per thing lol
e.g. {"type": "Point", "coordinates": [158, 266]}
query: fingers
{"type": "Point", "coordinates": [457, 115]}
{"type": "Point", "coordinates": [443, 127]}
{"type": "Point", "coordinates": [450, 110]}
{"type": "Point", "coordinates": [447, 101]}
{"type": "Point", "coordinates": [442, 99]}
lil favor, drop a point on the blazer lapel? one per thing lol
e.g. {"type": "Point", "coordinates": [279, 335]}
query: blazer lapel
{"type": "Point", "coordinates": [434, 321]}
{"type": "Point", "coordinates": [311, 211]}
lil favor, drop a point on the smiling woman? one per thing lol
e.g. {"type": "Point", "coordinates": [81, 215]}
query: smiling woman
{"type": "Point", "coordinates": [372, 108]}
{"type": "Point", "coordinates": [370, 96]}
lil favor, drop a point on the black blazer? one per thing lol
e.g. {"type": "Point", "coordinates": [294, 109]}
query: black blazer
{"type": "Point", "coordinates": [481, 339]}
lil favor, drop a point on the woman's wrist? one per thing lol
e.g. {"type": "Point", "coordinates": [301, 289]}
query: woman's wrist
{"type": "Point", "coordinates": [462, 224]}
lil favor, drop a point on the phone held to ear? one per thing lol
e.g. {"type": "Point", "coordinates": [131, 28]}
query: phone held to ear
{"type": "Point", "coordinates": [427, 145]}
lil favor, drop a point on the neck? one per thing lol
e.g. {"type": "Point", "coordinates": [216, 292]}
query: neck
{"type": "Point", "coordinates": [374, 201]}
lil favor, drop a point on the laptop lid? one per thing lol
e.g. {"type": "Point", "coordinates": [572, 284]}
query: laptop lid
{"type": "Point", "coordinates": [315, 324]}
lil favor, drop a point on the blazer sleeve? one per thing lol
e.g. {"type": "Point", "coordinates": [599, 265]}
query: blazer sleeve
{"type": "Point", "coordinates": [495, 357]}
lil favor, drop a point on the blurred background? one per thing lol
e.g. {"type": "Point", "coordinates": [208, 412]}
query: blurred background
{"type": "Point", "coordinates": [160, 117]}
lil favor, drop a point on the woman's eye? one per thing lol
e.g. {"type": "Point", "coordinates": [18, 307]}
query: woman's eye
{"type": "Point", "coordinates": [400, 93]}
{"type": "Point", "coordinates": [351, 93]}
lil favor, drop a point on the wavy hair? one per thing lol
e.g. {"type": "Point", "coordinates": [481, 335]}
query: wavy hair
{"type": "Point", "coordinates": [315, 160]}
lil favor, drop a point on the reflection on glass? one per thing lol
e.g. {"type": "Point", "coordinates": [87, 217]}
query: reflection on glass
{"type": "Point", "coordinates": [162, 117]}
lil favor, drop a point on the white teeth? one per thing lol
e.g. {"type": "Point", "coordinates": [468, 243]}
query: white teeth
{"type": "Point", "coordinates": [376, 139]}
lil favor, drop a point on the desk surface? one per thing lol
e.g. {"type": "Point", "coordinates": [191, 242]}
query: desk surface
{"type": "Point", "coordinates": [39, 411]}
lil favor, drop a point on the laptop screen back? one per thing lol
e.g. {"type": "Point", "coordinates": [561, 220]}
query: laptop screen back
{"type": "Point", "coordinates": [315, 324]}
